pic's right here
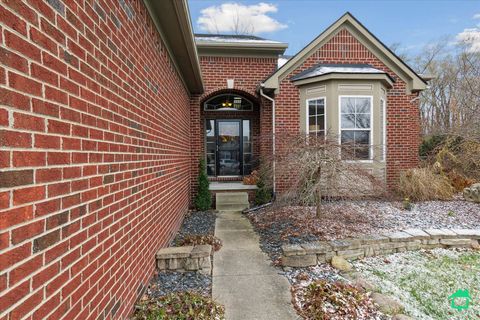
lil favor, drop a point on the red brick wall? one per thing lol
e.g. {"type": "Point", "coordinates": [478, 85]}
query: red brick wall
{"type": "Point", "coordinates": [247, 72]}
{"type": "Point", "coordinates": [94, 156]}
{"type": "Point", "coordinates": [403, 124]}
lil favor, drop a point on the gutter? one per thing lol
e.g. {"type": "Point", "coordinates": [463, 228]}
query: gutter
{"type": "Point", "coordinates": [172, 21]}
{"type": "Point", "coordinates": [273, 135]}
{"type": "Point", "coordinates": [277, 46]}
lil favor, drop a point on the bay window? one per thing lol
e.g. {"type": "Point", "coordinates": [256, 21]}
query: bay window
{"type": "Point", "coordinates": [316, 116]}
{"type": "Point", "coordinates": [356, 127]}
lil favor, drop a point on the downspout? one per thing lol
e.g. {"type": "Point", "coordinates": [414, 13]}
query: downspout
{"type": "Point", "coordinates": [273, 136]}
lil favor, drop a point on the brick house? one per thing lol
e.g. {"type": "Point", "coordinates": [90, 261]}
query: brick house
{"type": "Point", "coordinates": [106, 106]}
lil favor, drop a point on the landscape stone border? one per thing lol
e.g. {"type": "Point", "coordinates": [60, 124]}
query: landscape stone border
{"type": "Point", "coordinates": [312, 253]}
{"type": "Point", "coordinates": [472, 193]}
{"type": "Point", "coordinates": [186, 258]}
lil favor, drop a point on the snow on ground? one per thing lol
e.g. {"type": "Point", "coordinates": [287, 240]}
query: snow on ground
{"type": "Point", "coordinates": [423, 280]}
{"type": "Point", "coordinates": [344, 219]}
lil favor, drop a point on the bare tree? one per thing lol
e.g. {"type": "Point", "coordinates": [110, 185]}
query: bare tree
{"type": "Point", "coordinates": [451, 104]}
{"type": "Point", "coordinates": [315, 169]}
{"type": "Point", "coordinates": [238, 26]}
{"type": "Point", "coordinates": [241, 27]}
{"type": "Point", "coordinates": [399, 51]}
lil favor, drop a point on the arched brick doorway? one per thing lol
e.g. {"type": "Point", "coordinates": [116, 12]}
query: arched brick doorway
{"type": "Point", "coordinates": [230, 132]}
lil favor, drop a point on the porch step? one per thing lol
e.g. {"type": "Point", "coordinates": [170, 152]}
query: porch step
{"type": "Point", "coordinates": [232, 201]}
{"type": "Point", "coordinates": [232, 197]}
{"type": "Point", "coordinates": [232, 207]}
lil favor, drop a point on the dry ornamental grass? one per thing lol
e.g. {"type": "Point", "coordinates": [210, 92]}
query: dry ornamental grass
{"type": "Point", "coordinates": [422, 184]}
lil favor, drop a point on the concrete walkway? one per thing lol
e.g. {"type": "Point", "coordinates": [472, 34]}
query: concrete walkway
{"type": "Point", "coordinates": [243, 279]}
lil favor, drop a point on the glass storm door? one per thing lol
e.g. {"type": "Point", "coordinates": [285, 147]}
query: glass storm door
{"type": "Point", "coordinates": [229, 158]}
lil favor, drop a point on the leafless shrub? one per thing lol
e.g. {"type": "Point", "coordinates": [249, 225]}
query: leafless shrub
{"type": "Point", "coordinates": [457, 158]}
{"type": "Point", "coordinates": [460, 154]}
{"type": "Point", "coordinates": [191, 240]}
{"type": "Point", "coordinates": [327, 300]}
{"type": "Point", "coordinates": [314, 170]}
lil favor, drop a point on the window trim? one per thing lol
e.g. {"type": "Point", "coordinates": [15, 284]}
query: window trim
{"type": "Point", "coordinates": [383, 104]}
{"type": "Point", "coordinates": [250, 129]}
{"type": "Point", "coordinates": [205, 141]}
{"type": "Point", "coordinates": [370, 153]}
{"type": "Point", "coordinates": [307, 114]}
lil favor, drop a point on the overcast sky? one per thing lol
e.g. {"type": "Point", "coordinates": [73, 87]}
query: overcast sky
{"type": "Point", "coordinates": [413, 24]}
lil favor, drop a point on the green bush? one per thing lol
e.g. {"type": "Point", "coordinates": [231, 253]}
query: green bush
{"type": "Point", "coordinates": [203, 200]}
{"type": "Point", "coordinates": [176, 306]}
{"type": "Point", "coordinates": [263, 194]}
{"type": "Point", "coordinates": [429, 144]}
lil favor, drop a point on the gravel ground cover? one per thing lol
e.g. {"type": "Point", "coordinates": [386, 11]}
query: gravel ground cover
{"type": "Point", "coordinates": [344, 219]}
{"type": "Point", "coordinates": [424, 280]}
{"type": "Point", "coordinates": [183, 295]}
{"type": "Point", "coordinates": [319, 272]}
{"type": "Point", "coordinates": [196, 223]}
{"type": "Point", "coordinates": [164, 283]}
{"type": "Point", "coordinates": [168, 282]}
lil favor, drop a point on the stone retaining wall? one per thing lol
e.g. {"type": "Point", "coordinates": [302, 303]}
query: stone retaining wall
{"type": "Point", "coordinates": [186, 258]}
{"type": "Point", "coordinates": [312, 253]}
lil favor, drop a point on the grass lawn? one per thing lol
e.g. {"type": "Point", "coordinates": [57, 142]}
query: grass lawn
{"type": "Point", "coordinates": [424, 280]}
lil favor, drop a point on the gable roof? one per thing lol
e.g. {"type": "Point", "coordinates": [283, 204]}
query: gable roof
{"type": "Point", "coordinates": [413, 80]}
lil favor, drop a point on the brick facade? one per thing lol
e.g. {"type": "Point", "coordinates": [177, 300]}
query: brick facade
{"type": "Point", "coordinates": [94, 156]}
{"type": "Point", "coordinates": [403, 120]}
{"type": "Point", "coordinates": [247, 72]}
{"type": "Point", "coordinates": [403, 126]}
{"type": "Point", "coordinates": [100, 142]}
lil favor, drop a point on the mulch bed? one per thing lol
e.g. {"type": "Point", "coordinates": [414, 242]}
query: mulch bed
{"type": "Point", "coordinates": [344, 219]}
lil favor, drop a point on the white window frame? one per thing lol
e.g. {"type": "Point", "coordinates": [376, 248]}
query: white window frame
{"type": "Point", "coordinates": [370, 155]}
{"type": "Point", "coordinates": [307, 115]}
{"type": "Point", "coordinates": [383, 104]}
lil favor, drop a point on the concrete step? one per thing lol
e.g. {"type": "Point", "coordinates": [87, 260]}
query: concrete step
{"type": "Point", "coordinates": [230, 215]}
{"type": "Point", "coordinates": [231, 198]}
{"type": "Point", "coordinates": [232, 206]}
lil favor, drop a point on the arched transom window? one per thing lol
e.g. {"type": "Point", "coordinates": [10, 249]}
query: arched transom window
{"type": "Point", "coordinates": [228, 102]}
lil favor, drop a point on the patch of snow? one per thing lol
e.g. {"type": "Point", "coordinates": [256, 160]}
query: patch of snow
{"type": "Point", "coordinates": [325, 69]}
{"type": "Point", "coordinates": [234, 39]}
{"type": "Point", "coordinates": [281, 62]}
{"type": "Point", "coordinates": [423, 279]}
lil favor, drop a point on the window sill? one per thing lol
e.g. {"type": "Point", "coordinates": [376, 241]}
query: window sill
{"type": "Point", "coordinates": [358, 161]}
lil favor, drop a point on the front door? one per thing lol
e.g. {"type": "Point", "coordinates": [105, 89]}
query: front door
{"type": "Point", "coordinates": [229, 142]}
